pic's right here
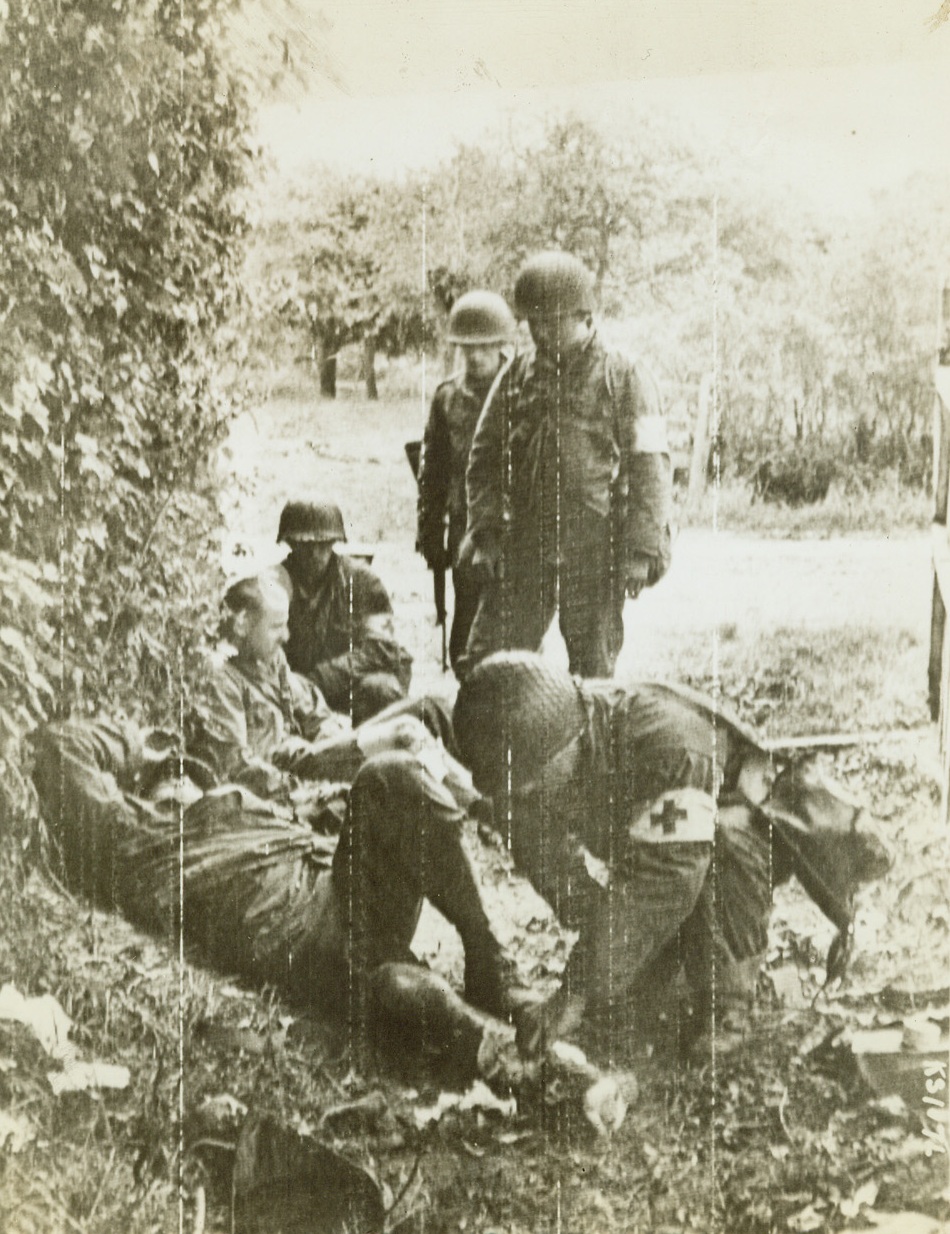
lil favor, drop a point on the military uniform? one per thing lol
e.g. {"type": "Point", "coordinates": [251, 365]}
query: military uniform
{"type": "Point", "coordinates": [569, 479]}
{"type": "Point", "coordinates": [246, 719]}
{"type": "Point", "coordinates": [329, 919]}
{"type": "Point", "coordinates": [293, 863]}
{"type": "Point", "coordinates": [456, 406]}
{"type": "Point", "coordinates": [343, 639]}
{"type": "Point", "coordinates": [654, 825]}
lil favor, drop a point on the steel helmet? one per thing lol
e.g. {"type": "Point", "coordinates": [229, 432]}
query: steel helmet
{"type": "Point", "coordinates": [311, 520]}
{"type": "Point", "coordinates": [553, 284]}
{"type": "Point", "coordinates": [513, 713]}
{"type": "Point", "coordinates": [480, 317]}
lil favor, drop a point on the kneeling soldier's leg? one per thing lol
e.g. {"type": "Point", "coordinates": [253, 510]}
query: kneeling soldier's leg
{"type": "Point", "coordinates": [638, 918]}
{"type": "Point", "coordinates": [726, 938]}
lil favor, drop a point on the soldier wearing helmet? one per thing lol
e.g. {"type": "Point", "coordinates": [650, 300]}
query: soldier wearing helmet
{"type": "Point", "coordinates": [480, 325]}
{"type": "Point", "coordinates": [341, 618]}
{"type": "Point", "coordinates": [655, 825]}
{"type": "Point", "coordinates": [569, 481]}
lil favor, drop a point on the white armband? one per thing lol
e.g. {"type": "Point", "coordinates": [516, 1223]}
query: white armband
{"type": "Point", "coordinates": [649, 435]}
{"type": "Point", "coordinates": [684, 815]}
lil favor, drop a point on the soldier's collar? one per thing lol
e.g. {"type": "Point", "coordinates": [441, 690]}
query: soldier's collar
{"type": "Point", "coordinates": [257, 670]}
{"type": "Point", "coordinates": [309, 596]}
{"type": "Point", "coordinates": [539, 362]}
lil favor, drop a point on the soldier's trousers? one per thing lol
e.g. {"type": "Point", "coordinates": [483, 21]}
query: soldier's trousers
{"type": "Point", "coordinates": [328, 921]}
{"type": "Point", "coordinates": [574, 572]}
{"type": "Point", "coordinates": [696, 909]}
{"type": "Point", "coordinates": [466, 592]}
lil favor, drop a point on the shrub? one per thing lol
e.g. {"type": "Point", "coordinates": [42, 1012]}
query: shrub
{"type": "Point", "coordinates": [122, 151]}
{"type": "Point", "coordinates": [795, 473]}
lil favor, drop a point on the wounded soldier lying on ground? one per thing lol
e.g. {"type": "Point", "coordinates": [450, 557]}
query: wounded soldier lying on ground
{"type": "Point", "coordinates": [595, 776]}
{"type": "Point", "coordinates": [236, 842]}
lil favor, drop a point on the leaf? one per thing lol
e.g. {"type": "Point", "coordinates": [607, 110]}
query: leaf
{"type": "Point", "coordinates": [153, 162]}
{"type": "Point", "coordinates": [15, 1132]}
{"type": "Point", "coordinates": [14, 639]}
{"type": "Point", "coordinates": [866, 1194]}
{"type": "Point", "coordinates": [43, 1015]}
{"type": "Point", "coordinates": [78, 1077]}
{"type": "Point", "coordinates": [806, 1220]}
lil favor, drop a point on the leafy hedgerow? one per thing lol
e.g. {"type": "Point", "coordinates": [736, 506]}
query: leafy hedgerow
{"type": "Point", "coordinates": [122, 155]}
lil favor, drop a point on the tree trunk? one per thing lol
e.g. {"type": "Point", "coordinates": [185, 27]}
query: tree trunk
{"type": "Point", "coordinates": [369, 366]}
{"type": "Point", "coordinates": [325, 359]}
{"type": "Point", "coordinates": [328, 377]}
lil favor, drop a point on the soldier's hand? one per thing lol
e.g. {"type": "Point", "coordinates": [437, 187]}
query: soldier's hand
{"type": "Point", "coordinates": [637, 574]}
{"type": "Point", "coordinates": [486, 565]}
{"type": "Point", "coordinates": [400, 733]}
{"type": "Point", "coordinates": [539, 1025]}
{"type": "Point", "coordinates": [432, 547]}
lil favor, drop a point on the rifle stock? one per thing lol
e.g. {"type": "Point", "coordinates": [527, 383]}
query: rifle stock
{"type": "Point", "coordinates": [413, 451]}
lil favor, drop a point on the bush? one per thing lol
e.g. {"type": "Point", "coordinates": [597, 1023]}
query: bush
{"type": "Point", "coordinates": [795, 474]}
{"type": "Point", "coordinates": [122, 150]}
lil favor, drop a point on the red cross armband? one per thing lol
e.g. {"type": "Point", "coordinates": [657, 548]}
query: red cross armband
{"type": "Point", "coordinates": [681, 816]}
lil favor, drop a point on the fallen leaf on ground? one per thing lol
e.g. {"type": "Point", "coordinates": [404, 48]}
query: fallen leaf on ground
{"type": "Point", "coordinates": [78, 1077]}
{"type": "Point", "coordinates": [15, 1133]}
{"type": "Point", "coordinates": [44, 1016]}
{"type": "Point", "coordinates": [865, 1195]}
{"type": "Point", "coordinates": [901, 1223]}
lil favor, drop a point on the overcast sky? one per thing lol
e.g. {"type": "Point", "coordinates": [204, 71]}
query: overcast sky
{"type": "Point", "coordinates": [841, 95]}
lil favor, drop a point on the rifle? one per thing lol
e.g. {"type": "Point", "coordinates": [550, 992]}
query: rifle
{"type": "Point", "coordinates": [414, 456]}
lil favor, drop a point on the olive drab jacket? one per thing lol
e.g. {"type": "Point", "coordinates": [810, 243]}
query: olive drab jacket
{"type": "Point", "coordinates": [558, 442]}
{"type": "Point", "coordinates": [650, 744]}
{"type": "Point", "coordinates": [446, 442]}
{"type": "Point", "coordinates": [344, 630]}
{"type": "Point", "coordinates": [251, 725]}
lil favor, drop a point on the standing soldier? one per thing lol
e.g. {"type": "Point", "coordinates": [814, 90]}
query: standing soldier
{"type": "Point", "coordinates": [569, 481]}
{"type": "Point", "coordinates": [480, 324]}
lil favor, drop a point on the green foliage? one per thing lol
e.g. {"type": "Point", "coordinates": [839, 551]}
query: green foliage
{"type": "Point", "coordinates": [358, 246]}
{"type": "Point", "coordinates": [353, 275]}
{"type": "Point", "coordinates": [796, 474]}
{"type": "Point", "coordinates": [27, 672]}
{"type": "Point", "coordinates": [121, 153]}
{"type": "Point", "coordinates": [831, 360]}
{"type": "Point", "coordinates": [821, 331]}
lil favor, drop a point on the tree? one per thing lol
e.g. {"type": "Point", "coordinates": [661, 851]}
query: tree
{"type": "Point", "coordinates": [354, 274]}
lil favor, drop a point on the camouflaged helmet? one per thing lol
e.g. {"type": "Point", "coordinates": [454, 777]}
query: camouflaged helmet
{"type": "Point", "coordinates": [311, 520]}
{"type": "Point", "coordinates": [553, 284]}
{"type": "Point", "coordinates": [515, 711]}
{"type": "Point", "coordinates": [480, 317]}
